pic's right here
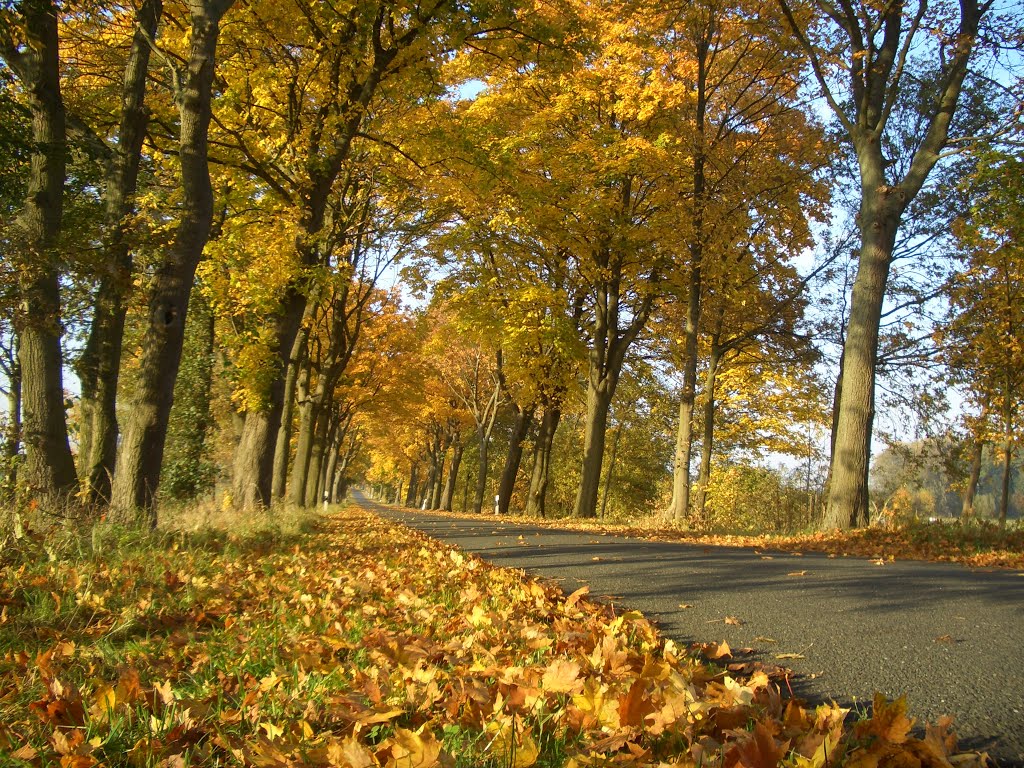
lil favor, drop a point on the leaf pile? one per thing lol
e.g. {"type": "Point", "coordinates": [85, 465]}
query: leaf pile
{"type": "Point", "coordinates": [366, 644]}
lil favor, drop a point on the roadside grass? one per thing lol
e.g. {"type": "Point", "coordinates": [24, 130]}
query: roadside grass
{"type": "Point", "coordinates": [286, 640]}
{"type": "Point", "coordinates": [972, 542]}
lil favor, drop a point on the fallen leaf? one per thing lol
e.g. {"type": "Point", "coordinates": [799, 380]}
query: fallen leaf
{"type": "Point", "coordinates": [562, 676]}
{"type": "Point", "coordinates": [797, 573]}
{"type": "Point", "coordinates": [732, 620]}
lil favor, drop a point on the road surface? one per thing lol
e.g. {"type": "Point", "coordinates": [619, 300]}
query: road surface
{"type": "Point", "coordinates": [949, 637]}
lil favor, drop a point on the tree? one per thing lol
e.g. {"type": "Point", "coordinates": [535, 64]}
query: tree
{"type": "Point", "coordinates": [892, 74]}
{"type": "Point", "coordinates": [30, 47]}
{"type": "Point", "coordinates": [99, 366]}
{"type": "Point", "coordinates": [751, 176]}
{"type": "Point", "coordinates": [982, 340]}
{"type": "Point", "coordinates": [140, 457]}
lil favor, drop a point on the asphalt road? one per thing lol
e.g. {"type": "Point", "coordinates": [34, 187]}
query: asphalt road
{"type": "Point", "coordinates": [949, 637]}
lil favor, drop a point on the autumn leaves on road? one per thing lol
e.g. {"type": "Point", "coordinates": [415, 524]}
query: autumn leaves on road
{"type": "Point", "coordinates": [364, 644]}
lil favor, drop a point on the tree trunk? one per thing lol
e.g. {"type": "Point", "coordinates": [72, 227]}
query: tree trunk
{"type": "Point", "coordinates": [296, 359]}
{"type": "Point", "coordinates": [453, 475]}
{"type": "Point", "coordinates": [483, 437]}
{"type": "Point", "coordinates": [49, 469]}
{"type": "Point", "coordinates": [848, 492]}
{"type": "Point", "coordinates": [507, 484]}
{"type": "Point", "coordinates": [972, 481]}
{"type": "Point", "coordinates": [707, 444]}
{"type": "Point", "coordinates": [1004, 497]}
{"type": "Point", "coordinates": [611, 470]}
{"type": "Point", "coordinates": [253, 470]}
{"type": "Point", "coordinates": [142, 447]}
{"type": "Point", "coordinates": [680, 506]}
{"type": "Point", "coordinates": [303, 438]}
{"type": "Point", "coordinates": [100, 365]}
{"type": "Point", "coordinates": [438, 484]}
{"type": "Point", "coordinates": [535, 502]}
{"type": "Point", "coordinates": [599, 399]}
{"type": "Point", "coordinates": [326, 424]}
{"type": "Point", "coordinates": [331, 469]}
{"type": "Point", "coordinates": [410, 496]}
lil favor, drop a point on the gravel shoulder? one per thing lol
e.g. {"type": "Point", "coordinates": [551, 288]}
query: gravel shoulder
{"type": "Point", "coordinates": [948, 636]}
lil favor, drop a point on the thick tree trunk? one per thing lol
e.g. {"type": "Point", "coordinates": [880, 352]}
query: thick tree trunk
{"type": "Point", "coordinates": [680, 506]}
{"type": "Point", "coordinates": [707, 444]}
{"type": "Point", "coordinates": [848, 492]}
{"type": "Point", "coordinates": [967, 510]}
{"type": "Point", "coordinates": [329, 475]}
{"type": "Point", "coordinates": [453, 475]}
{"type": "Point", "coordinates": [514, 457]}
{"type": "Point", "coordinates": [341, 481]}
{"type": "Point", "coordinates": [142, 447]}
{"type": "Point", "coordinates": [253, 470]}
{"type": "Point", "coordinates": [100, 364]}
{"type": "Point", "coordinates": [535, 502]}
{"type": "Point", "coordinates": [322, 437]}
{"type": "Point", "coordinates": [599, 399]}
{"type": "Point", "coordinates": [49, 469]}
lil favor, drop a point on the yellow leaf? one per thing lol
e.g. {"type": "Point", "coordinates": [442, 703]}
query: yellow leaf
{"type": "Point", "coordinates": [414, 749]}
{"type": "Point", "coordinates": [562, 677]}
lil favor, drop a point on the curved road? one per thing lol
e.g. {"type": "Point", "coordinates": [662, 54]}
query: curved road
{"type": "Point", "coordinates": [948, 636]}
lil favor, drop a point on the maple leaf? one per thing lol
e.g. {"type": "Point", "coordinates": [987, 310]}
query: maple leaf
{"type": "Point", "coordinates": [562, 676]}
{"type": "Point", "coordinates": [349, 753]}
{"type": "Point", "coordinates": [416, 749]}
{"type": "Point", "coordinates": [888, 721]}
